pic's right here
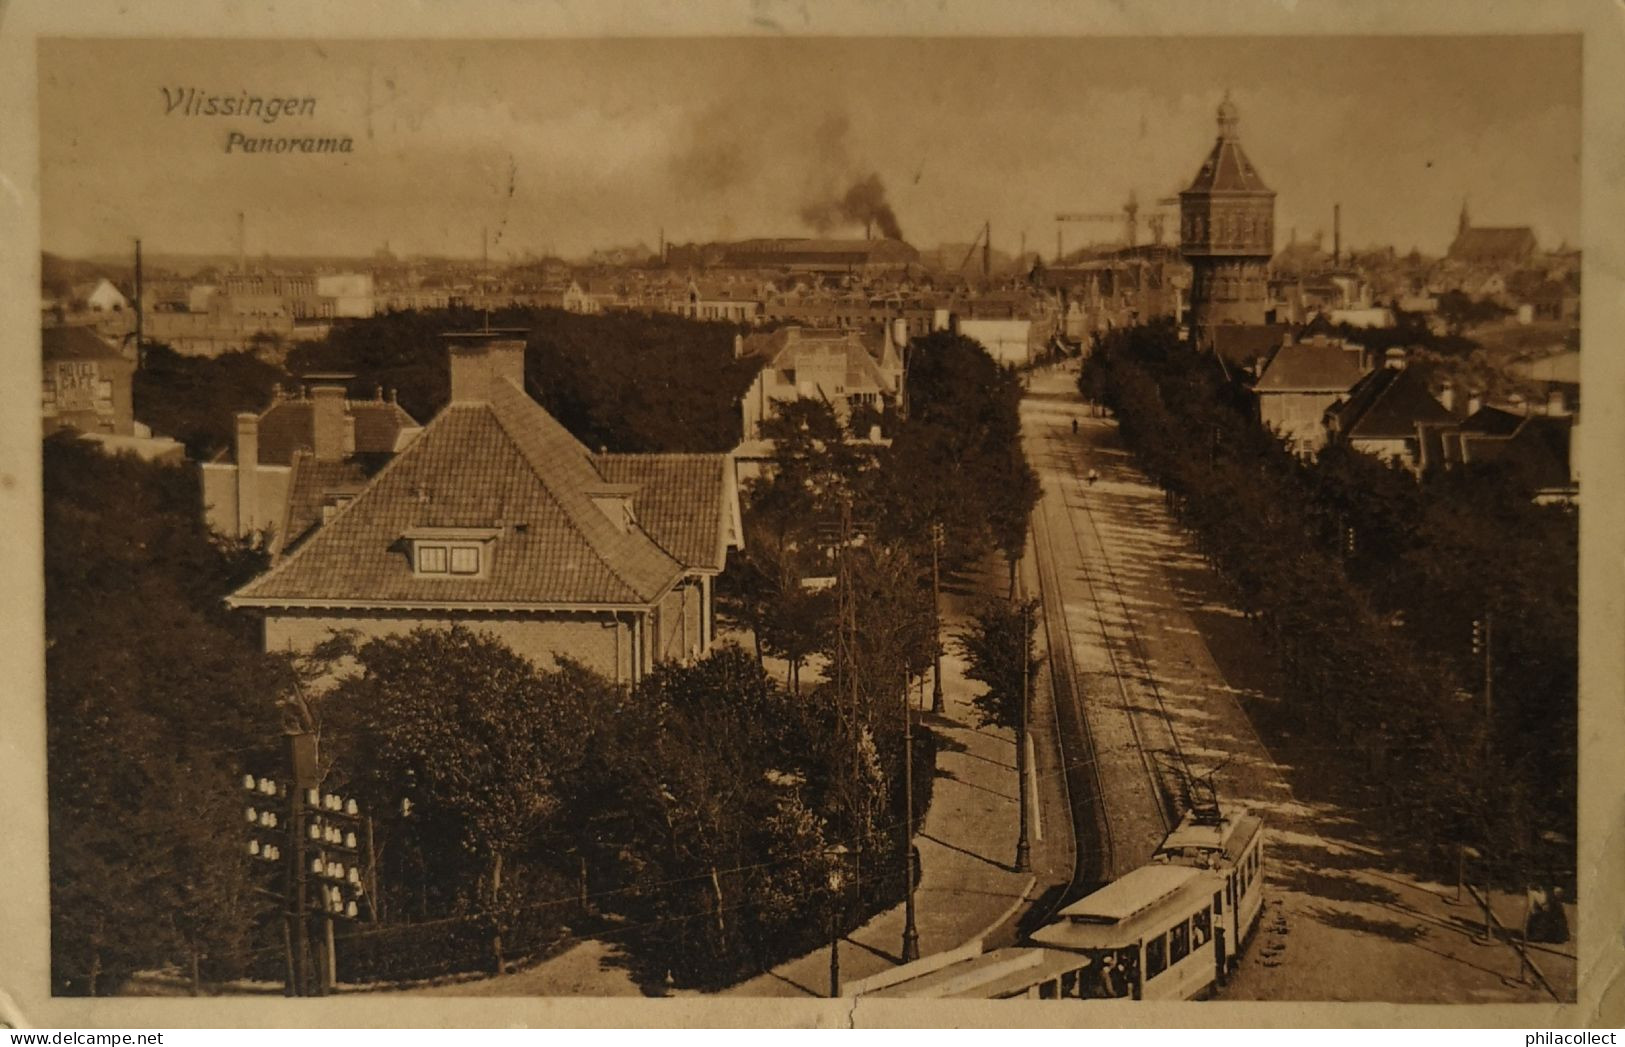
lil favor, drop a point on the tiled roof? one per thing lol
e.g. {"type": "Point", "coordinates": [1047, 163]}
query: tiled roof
{"type": "Point", "coordinates": [679, 501]}
{"type": "Point", "coordinates": [1486, 243]}
{"type": "Point", "coordinates": [76, 342]}
{"type": "Point", "coordinates": [1310, 367]}
{"type": "Point", "coordinates": [1227, 170]}
{"type": "Point", "coordinates": [1388, 404]}
{"type": "Point", "coordinates": [309, 486]}
{"type": "Point", "coordinates": [1492, 421]}
{"type": "Point", "coordinates": [288, 426]}
{"type": "Point", "coordinates": [506, 465]}
{"type": "Point", "coordinates": [1241, 344]}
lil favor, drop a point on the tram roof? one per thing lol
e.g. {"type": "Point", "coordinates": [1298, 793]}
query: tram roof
{"type": "Point", "coordinates": [987, 976]}
{"type": "Point", "coordinates": [1229, 836]}
{"type": "Point", "coordinates": [1112, 915]}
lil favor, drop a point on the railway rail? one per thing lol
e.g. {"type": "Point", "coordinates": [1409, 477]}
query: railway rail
{"type": "Point", "coordinates": [1115, 825]}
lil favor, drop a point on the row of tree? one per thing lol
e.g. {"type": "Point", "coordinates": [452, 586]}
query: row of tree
{"type": "Point", "coordinates": [684, 817]}
{"type": "Point", "coordinates": [1375, 590]}
{"type": "Point", "coordinates": [156, 700]}
{"type": "Point", "coordinates": [626, 381]}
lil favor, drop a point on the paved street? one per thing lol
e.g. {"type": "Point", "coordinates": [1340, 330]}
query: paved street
{"type": "Point", "coordinates": [1344, 919]}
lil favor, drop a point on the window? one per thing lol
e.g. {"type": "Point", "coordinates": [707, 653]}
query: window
{"type": "Point", "coordinates": [431, 559]}
{"type": "Point", "coordinates": [465, 559]}
{"type": "Point", "coordinates": [1179, 942]}
{"type": "Point", "coordinates": [1201, 928]}
{"type": "Point", "coordinates": [1218, 902]}
{"type": "Point", "coordinates": [1156, 957]}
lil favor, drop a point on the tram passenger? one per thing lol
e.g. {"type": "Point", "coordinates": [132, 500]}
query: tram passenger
{"type": "Point", "coordinates": [1112, 983]}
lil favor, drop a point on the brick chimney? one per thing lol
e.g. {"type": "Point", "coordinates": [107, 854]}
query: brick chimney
{"type": "Point", "coordinates": [329, 422]}
{"type": "Point", "coordinates": [248, 472]}
{"type": "Point", "coordinates": [481, 358]}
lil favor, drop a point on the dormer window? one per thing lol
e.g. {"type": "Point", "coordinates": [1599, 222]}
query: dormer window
{"type": "Point", "coordinates": [451, 552]}
{"type": "Point", "coordinates": [615, 502]}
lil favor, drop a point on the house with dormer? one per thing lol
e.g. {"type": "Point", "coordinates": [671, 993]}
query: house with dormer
{"type": "Point", "coordinates": [496, 518]}
{"type": "Point", "coordinates": [299, 460]}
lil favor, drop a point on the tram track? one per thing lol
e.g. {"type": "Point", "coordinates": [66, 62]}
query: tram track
{"type": "Point", "coordinates": [1168, 798]}
{"type": "Point", "coordinates": [1110, 827]}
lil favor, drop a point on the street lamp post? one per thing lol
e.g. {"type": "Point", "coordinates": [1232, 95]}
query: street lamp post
{"type": "Point", "coordinates": [911, 936]}
{"type": "Point", "coordinates": [837, 879]}
{"type": "Point", "coordinates": [937, 705]}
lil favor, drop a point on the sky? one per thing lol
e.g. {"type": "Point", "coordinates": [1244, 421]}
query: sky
{"type": "Point", "coordinates": [567, 145]}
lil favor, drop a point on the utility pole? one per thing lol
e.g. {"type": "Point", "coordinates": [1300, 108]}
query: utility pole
{"type": "Point", "coordinates": [1023, 848]}
{"type": "Point", "coordinates": [987, 249]}
{"type": "Point", "coordinates": [140, 347]}
{"type": "Point", "coordinates": [937, 704]}
{"type": "Point", "coordinates": [911, 936]}
{"type": "Point", "coordinates": [1489, 687]}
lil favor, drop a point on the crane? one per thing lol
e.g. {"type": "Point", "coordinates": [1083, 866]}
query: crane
{"type": "Point", "coordinates": [1129, 216]}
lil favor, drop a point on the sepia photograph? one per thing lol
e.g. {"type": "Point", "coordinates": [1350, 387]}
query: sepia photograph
{"type": "Point", "coordinates": [825, 516]}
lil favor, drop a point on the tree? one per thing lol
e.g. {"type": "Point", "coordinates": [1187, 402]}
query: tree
{"type": "Point", "coordinates": [1000, 652]}
{"type": "Point", "coordinates": [461, 727]}
{"type": "Point", "coordinates": [157, 699]}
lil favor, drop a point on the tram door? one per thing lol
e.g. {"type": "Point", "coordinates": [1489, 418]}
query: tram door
{"type": "Point", "coordinates": [1218, 938]}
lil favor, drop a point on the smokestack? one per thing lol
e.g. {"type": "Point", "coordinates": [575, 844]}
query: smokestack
{"type": "Point", "coordinates": [248, 462]}
{"type": "Point", "coordinates": [1337, 234]}
{"type": "Point", "coordinates": [987, 249]}
{"type": "Point", "coordinates": [242, 242]}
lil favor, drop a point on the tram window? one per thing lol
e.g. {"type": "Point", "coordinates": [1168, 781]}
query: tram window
{"type": "Point", "coordinates": [1069, 985]}
{"type": "Point", "coordinates": [1201, 928]}
{"type": "Point", "coordinates": [1218, 902]}
{"type": "Point", "coordinates": [1179, 942]}
{"type": "Point", "coordinates": [1156, 957]}
{"type": "Point", "coordinates": [1108, 976]}
{"type": "Point", "coordinates": [1047, 990]}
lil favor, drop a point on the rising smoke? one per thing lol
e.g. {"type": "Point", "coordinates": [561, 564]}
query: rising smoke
{"type": "Point", "coordinates": [863, 203]}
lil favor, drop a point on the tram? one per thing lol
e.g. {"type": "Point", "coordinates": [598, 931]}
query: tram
{"type": "Point", "coordinates": [1170, 930]}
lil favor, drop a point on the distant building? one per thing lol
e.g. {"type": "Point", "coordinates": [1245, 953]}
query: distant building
{"type": "Point", "coordinates": [348, 295]}
{"type": "Point", "coordinates": [1389, 413]}
{"type": "Point", "coordinates": [1540, 445]}
{"type": "Point", "coordinates": [797, 254]}
{"type": "Point", "coordinates": [1227, 234]}
{"type": "Point", "coordinates": [496, 518]}
{"type": "Point", "coordinates": [101, 297]}
{"type": "Point", "coordinates": [1506, 246]}
{"type": "Point", "coordinates": [1301, 382]}
{"type": "Point", "coordinates": [86, 383]}
{"type": "Point", "coordinates": [835, 366]}
{"type": "Point", "coordinates": [299, 461]}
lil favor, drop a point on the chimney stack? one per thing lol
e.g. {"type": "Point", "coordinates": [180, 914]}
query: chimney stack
{"type": "Point", "coordinates": [479, 359]}
{"type": "Point", "coordinates": [329, 420]}
{"type": "Point", "coordinates": [1475, 403]}
{"type": "Point", "coordinates": [248, 462]}
{"type": "Point", "coordinates": [1556, 403]}
{"type": "Point", "coordinates": [1337, 234]}
{"type": "Point", "coordinates": [1447, 397]}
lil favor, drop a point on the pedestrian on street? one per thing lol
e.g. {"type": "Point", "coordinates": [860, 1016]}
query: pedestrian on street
{"type": "Point", "coordinates": [1074, 427]}
{"type": "Point", "coordinates": [1093, 476]}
